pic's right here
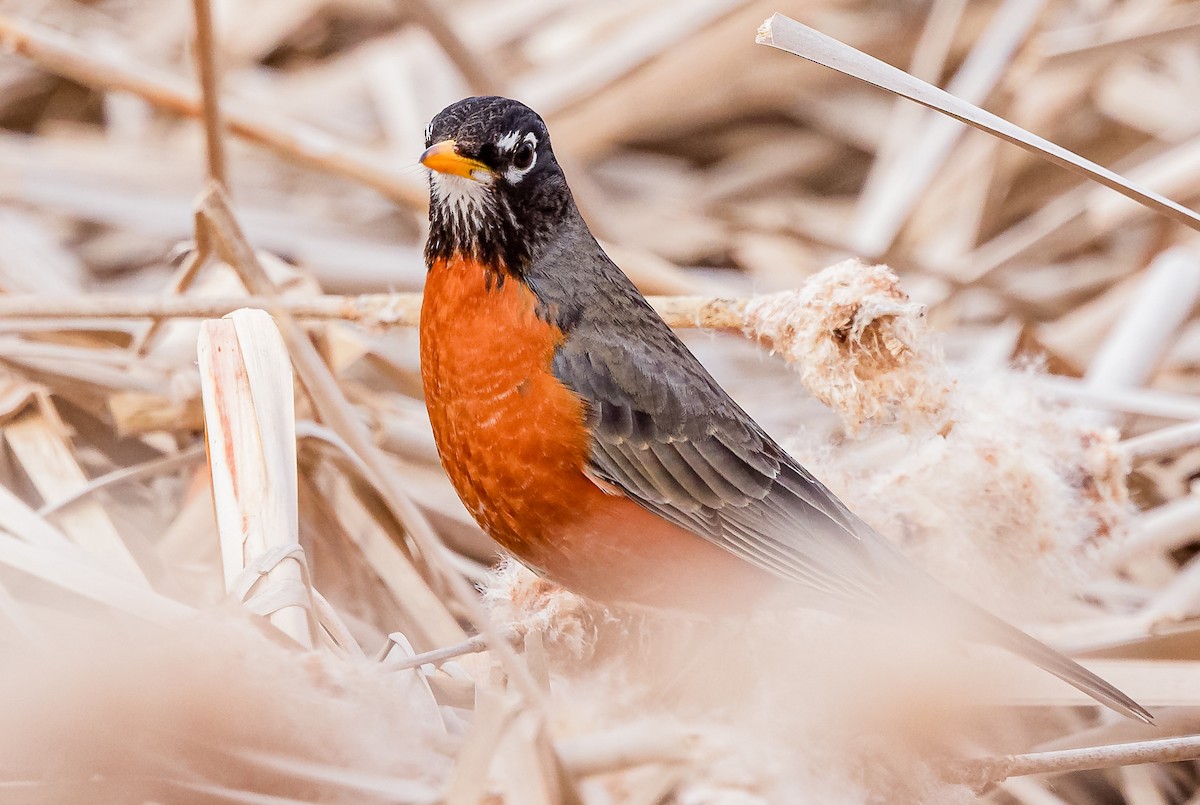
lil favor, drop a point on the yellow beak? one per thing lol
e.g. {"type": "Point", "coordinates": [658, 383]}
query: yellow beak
{"type": "Point", "coordinates": [444, 158]}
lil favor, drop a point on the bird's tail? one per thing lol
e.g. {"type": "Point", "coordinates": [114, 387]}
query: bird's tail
{"type": "Point", "coordinates": [986, 627]}
{"type": "Point", "coordinates": [973, 622]}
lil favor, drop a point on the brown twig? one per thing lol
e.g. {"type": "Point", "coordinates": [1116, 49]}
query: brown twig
{"type": "Point", "coordinates": [180, 282]}
{"type": "Point", "coordinates": [206, 61]}
{"type": "Point", "coordinates": [373, 310]}
{"type": "Point", "coordinates": [62, 55]}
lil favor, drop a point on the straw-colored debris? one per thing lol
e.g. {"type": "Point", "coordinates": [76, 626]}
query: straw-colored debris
{"type": "Point", "coordinates": [1013, 501]}
{"type": "Point", "coordinates": [289, 608]}
{"type": "Point", "coordinates": [133, 714]}
{"type": "Point", "coordinates": [568, 625]}
{"type": "Point", "coordinates": [860, 344]}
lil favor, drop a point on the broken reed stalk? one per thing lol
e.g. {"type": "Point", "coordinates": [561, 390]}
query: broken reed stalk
{"type": "Point", "coordinates": [62, 55]}
{"type": "Point", "coordinates": [250, 430]}
{"type": "Point", "coordinates": [788, 35]}
{"type": "Point", "coordinates": [373, 310]}
{"type": "Point", "coordinates": [492, 716]}
{"type": "Point", "coordinates": [983, 773]}
{"type": "Point", "coordinates": [206, 61]}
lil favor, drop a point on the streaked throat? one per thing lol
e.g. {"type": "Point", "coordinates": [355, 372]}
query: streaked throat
{"type": "Point", "coordinates": [470, 218]}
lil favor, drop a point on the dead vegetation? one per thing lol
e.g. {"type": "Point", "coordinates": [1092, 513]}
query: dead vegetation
{"type": "Point", "coordinates": [292, 613]}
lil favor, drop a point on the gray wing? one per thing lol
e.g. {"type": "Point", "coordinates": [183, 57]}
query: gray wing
{"type": "Point", "coordinates": [671, 439]}
{"type": "Point", "coordinates": [667, 435]}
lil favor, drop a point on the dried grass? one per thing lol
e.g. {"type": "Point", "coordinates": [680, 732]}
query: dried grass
{"type": "Point", "coordinates": [293, 618]}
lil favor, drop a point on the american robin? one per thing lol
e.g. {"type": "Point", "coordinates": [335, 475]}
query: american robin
{"type": "Point", "coordinates": [587, 440]}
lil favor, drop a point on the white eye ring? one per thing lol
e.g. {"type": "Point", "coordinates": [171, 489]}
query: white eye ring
{"type": "Point", "coordinates": [517, 172]}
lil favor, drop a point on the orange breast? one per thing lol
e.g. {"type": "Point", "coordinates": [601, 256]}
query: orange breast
{"type": "Point", "coordinates": [514, 443]}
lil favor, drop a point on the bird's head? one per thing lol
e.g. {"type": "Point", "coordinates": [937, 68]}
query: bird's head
{"type": "Point", "coordinates": [495, 188]}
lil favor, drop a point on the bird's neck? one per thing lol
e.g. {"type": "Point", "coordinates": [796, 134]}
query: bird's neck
{"type": "Point", "coordinates": [469, 220]}
{"type": "Point", "coordinates": [479, 227]}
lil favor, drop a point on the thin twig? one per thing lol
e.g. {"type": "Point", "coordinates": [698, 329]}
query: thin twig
{"type": "Point", "coordinates": [982, 773]}
{"type": "Point", "coordinates": [124, 475]}
{"type": "Point", "coordinates": [180, 282]}
{"type": "Point", "coordinates": [375, 310]}
{"type": "Point", "coordinates": [438, 656]}
{"type": "Point", "coordinates": [358, 783]}
{"type": "Point", "coordinates": [206, 61]}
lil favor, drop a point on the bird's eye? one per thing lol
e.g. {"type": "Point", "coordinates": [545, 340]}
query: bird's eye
{"type": "Point", "coordinates": [522, 158]}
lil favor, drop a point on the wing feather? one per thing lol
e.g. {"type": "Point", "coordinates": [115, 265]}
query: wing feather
{"type": "Point", "coordinates": [667, 436]}
{"type": "Point", "coordinates": [671, 439]}
{"type": "Point", "coordinates": [671, 458]}
{"type": "Point", "coordinates": [723, 492]}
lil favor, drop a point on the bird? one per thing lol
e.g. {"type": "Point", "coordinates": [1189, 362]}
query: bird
{"type": "Point", "coordinates": [589, 442]}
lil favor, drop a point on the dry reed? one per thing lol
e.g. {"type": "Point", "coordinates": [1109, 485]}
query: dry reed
{"type": "Point", "coordinates": [295, 617]}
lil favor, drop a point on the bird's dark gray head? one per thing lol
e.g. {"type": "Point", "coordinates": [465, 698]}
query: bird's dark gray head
{"type": "Point", "coordinates": [495, 188]}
